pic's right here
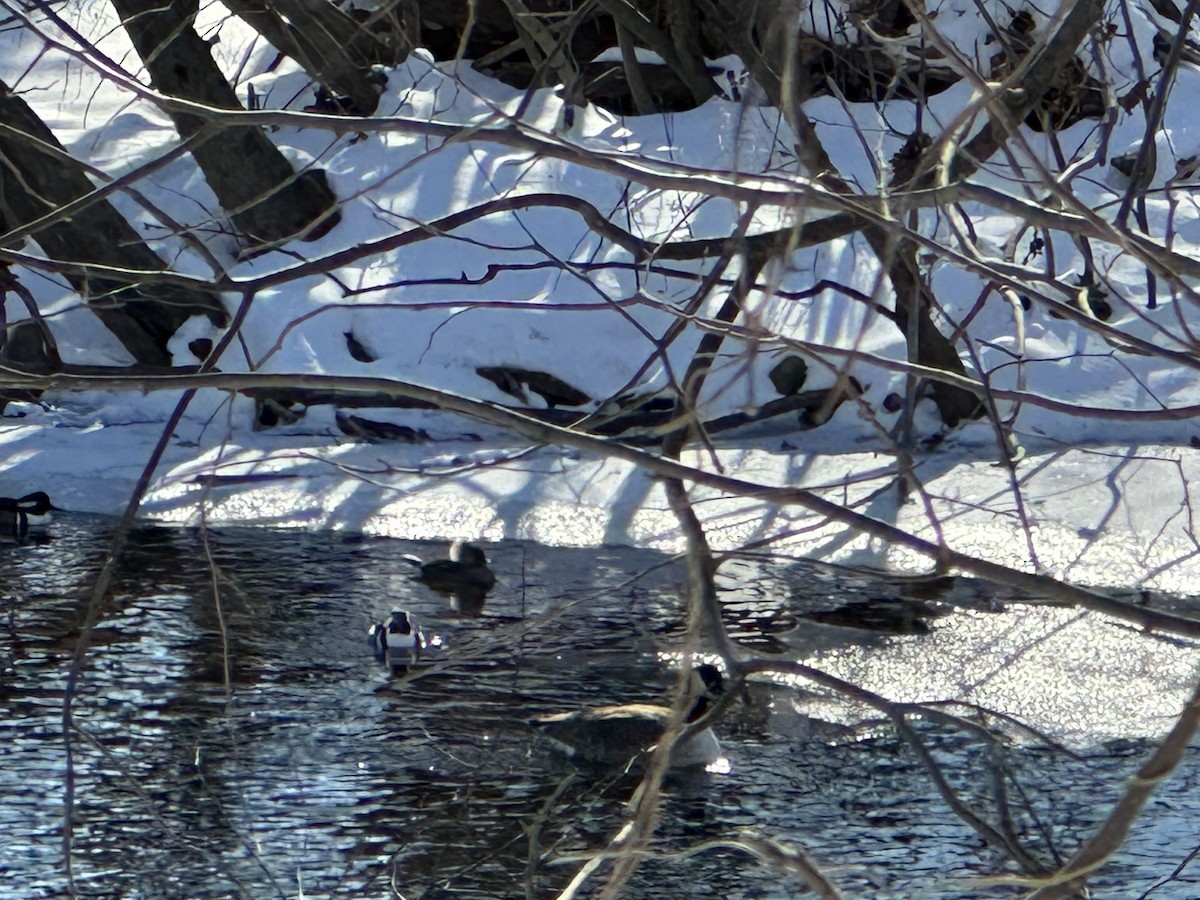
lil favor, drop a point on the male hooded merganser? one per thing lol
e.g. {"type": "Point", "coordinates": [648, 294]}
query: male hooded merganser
{"type": "Point", "coordinates": [16, 516]}
{"type": "Point", "coordinates": [397, 640]}
{"type": "Point", "coordinates": [610, 735]}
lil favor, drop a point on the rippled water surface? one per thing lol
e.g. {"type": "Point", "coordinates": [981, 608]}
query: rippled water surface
{"type": "Point", "coordinates": [235, 737]}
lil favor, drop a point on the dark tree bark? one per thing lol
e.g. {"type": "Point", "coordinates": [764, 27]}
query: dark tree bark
{"type": "Point", "coordinates": [256, 185]}
{"type": "Point", "coordinates": [684, 33]}
{"type": "Point", "coordinates": [335, 49]}
{"type": "Point", "coordinates": [777, 53]}
{"type": "Point", "coordinates": [36, 178]}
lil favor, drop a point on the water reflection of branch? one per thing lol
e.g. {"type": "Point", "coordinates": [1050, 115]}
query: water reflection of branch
{"type": "Point", "coordinates": [1070, 878]}
{"type": "Point", "coordinates": [628, 846]}
{"type": "Point", "coordinates": [1001, 836]}
{"type": "Point", "coordinates": [765, 849]}
{"type": "Point", "coordinates": [95, 607]}
{"type": "Point", "coordinates": [534, 830]}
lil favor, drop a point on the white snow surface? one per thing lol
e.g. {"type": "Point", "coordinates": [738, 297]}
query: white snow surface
{"type": "Point", "coordinates": [1096, 499]}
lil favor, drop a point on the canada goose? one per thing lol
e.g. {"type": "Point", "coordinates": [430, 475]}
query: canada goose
{"type": "Point", "coordinates": [397, 640]}
{"type": "Point", "coordinates": [609, 735]}
{"type": "Point", "coordinates": [17, 515]}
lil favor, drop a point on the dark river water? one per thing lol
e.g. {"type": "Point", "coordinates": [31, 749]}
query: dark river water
{"type": "Point", "coordinates": [234, 736]}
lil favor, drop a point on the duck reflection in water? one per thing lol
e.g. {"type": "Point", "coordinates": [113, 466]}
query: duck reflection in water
{"type": "Point", "coordinates": [465, 577]}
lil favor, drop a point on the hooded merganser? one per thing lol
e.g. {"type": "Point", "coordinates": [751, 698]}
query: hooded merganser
{"type": "Point", "coordinates": [610, 735]}
{"type": "Point", "coordinates": [465, 577]}
{"type": "Point", "coordinates": [467, 568]}
{"type": "Point", "coordinates": [397, 640]}
{"type": "Point", "coordinates": [17, 515]}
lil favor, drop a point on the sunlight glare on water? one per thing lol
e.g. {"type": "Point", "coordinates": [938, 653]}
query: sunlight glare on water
{"type": "Point", "coordinates": [316, 765]}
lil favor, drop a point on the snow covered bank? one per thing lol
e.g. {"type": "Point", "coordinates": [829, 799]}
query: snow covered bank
{"type": "Point", "coordinates": [1101, 516]}
{"type": "Point", "coordinates": [540, 286]}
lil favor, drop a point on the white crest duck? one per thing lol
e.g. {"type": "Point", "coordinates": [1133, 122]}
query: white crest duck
{"type": "Point", "coordinates": [611, 735]}
{"type": "Point", "coordinates": [397, 640]}
{"type": "Point", "coordinates": [18, 515]}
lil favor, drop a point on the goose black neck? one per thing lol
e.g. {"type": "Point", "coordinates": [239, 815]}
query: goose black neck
{"type": "Point", "coordinates": [698, 711]}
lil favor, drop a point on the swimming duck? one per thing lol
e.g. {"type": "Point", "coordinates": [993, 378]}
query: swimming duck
{"type": "Point", "coordinates": [17, 515]}
{"type": "Point", "coordinates": [610, 735]}
{"type": "Point", "coordinates": [397, 640]}
{"type": "Point", "coordinates": [466, 568]}
{"type": "Point", "coordinates": [465, 577]}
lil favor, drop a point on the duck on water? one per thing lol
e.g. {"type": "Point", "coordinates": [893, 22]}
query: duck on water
{"type": "Point", "coordinates": [18, 515]}
{"type": "Point", "coordinates": [467, 568]}
{"type": "Point", "coordinates": [611, 735]}
{"type": "Point", "coordinates": [397, 640]}
{"type": "Point", "coordinates": [465, 577]}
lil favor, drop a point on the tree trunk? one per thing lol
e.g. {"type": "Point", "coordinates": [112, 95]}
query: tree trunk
{"type": "Point", "coordinates": [334, 49]}
{"type": "Point", "coordinates": [763, 35]}
{"type": "Point", "coordinates": [36, 178]}
{"type": "Point", "coordinates": [255, 184]}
